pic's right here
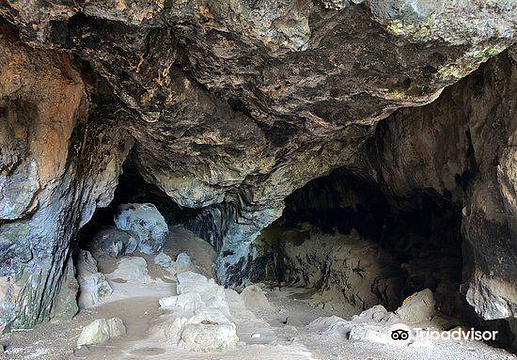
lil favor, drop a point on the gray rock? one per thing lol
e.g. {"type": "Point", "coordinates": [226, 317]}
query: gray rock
{"type": "Point", "coordinates": [183, 263]}
{"type": "Point", "coordinates": [114, 242]}
{"type": "Point", "coordinates": [145, 223]}
{"type": "Point", "coordinates": [132, 269]}
{"type": "Point", "coordinates": [163, 260]}
{"type": "Point", "coordinates": [100, 331]}
{"type": "Point", "coordinates": [374, 314]}
{"type": "Point", "coordinates": [93, 286]}
{"type": "Point", "coordinates": [254, 298]}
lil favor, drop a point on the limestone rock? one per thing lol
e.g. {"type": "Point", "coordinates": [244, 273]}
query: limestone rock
{"type": "Point", "coordinates": [255, 298]}
{"type": "Point", "coordinates": [330, 326]}
{"type": "Point", "coordinates": [236, 104]}
{"type": "Point", "coordinates": [208, 331]}
{"type": "Point", "coordinates": [372, 333]}
{"type": "Point", "coordinates": [417, 307]}
{"type": "Point", "coordinates": [374, 314]}
{"type": "Point", "coordinates": [492, 298]}
{"type": "Point", "coordinates": [100, 331]}
{"type": "Point", "coordinates": [133, 269]}
{"type": "Point", "coordinates": [66, 302]}
{"type": "Point", "coordinates": [164, 260]}
{"type": "Point", "coordinates": [114, 242]}
{"type": "Point", "coordinates": [199, 320]}
{"type": "Point", "coordinates": [183, 263]}
{"type": "Point", "coordinates": [93, 286]}
{"type": "Point", "coordinates": [145, 223]}
{"type": "Point", "coordinates": [7, 308]}
{"type": "Point", "coordinates": [51, 177]}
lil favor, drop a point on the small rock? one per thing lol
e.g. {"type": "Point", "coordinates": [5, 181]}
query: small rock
{"type": "Point", "coordinates": [254, 298]}
{"type": "Point", "coordinates": [163, 260]}
{"type": "Point", "coordinates": [372, 333]}
{"type": "Point", "coordinates": [144, 222]}
{"type": "Point", "coordinates": [183, 263]}
{"type": "Point", "coordinates": [209, 330]}
{"type": "Point", "coordinates": [417, 307]}
{"type": "Point", "coordinates": [373, 314]}
{"type": "Point", "coordinates": [100, 331]}
{"type": "Point", "coordinates": [189, 301]}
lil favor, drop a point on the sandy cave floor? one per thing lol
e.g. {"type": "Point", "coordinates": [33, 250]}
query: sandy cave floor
{"type": "Point", "coordinates": [282, 328]}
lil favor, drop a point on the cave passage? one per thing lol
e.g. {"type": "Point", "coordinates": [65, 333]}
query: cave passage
{"type": "Point", "coordinates": [342, 235]}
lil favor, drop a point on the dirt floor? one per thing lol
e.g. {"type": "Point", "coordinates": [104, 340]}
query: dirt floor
{"type": "Point", "coordinates": [278, 332]}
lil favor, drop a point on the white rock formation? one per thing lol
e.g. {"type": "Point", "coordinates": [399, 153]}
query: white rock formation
{"type": "Point", "coordinates": [200, 315]}
{"type": "Point", "coordinates": [255, 298]}
{"type": "Point", "coordinates": [183, 263]}
{"type": "Point", "coordinates": [164, 260]}
{"type": "Point", "coordinates": [100, 331]}
{"type": "Point", "coordinates": [93, 286]}
{"type": "Point", "coordinates": [144, 222]}
{"type": "Point", "coordinates": [417, 307]}
{"type": "Point", "coordinates": [132, 269]}
{"type": "Point", "coordinates": [376, 324]}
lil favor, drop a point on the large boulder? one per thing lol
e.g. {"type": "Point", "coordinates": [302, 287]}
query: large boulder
{"type": "Point", "coordinates": [200, 317]}
{"type": "Point", "coordinates": [114, 242]}
{"type": "Point", "coordinates": [145, 223]}
{"type": "Point", "coordinates": [417, 308]}
{"type": "Point", "coordinates": [208, 330]}
{"type": "Point", "coordinates": [100, 331]}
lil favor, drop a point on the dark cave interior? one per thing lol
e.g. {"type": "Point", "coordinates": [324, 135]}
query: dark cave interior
{"type": "Point", "coordinates": [342, 234]}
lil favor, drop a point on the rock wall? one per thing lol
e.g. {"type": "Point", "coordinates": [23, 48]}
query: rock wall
{"type": "Point", "coordinates": [232, 105]}
{"type": "Point", "coordinates": [55, 168]}
{"type": "Point", "coordinates": [463, 146]}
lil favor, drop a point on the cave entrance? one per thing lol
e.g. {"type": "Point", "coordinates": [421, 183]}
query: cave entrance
{"type": "Point", "coordinates": [342, 236]}
{"type": "Point", "coordinates": [108, 243]}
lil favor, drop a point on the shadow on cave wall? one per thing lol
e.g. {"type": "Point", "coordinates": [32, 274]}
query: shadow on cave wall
{"type": "Point", "coordinates": [133, 188]}
{"type": "Point", "coordinates": [396, 245]}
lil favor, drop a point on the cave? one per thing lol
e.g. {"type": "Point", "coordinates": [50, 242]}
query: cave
{"type": "Point", "coordinates": [289, 179]}
{"type": "Point", "coordinates": [381, 250]}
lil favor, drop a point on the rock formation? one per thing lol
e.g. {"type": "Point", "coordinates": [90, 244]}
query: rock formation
{"type": "Point", "coordinates": [229, 106]}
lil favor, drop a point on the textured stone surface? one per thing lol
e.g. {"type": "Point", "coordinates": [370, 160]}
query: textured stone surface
{"type": "Point", "coordinates": [164, 260]}
{"type": "Point", "coordinates": [114, 242]}
{"type": "Point", "coordinates": [51, 180]}
{"type": "Point", "coordinates": [145, 223]}
{"type": "Point", "coordinates": [100, 331]}
{"type": "Point", "coordinates": [199, 318]}
{"type": "Point", "coordinates": [132, 269]}
{"type": "Point", "coordinates": [235, 104]}
{"type": "Point", "coordinates": [93, 285]}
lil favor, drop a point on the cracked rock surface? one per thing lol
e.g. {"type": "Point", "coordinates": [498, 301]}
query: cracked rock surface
{"type": "Point", "coordinates": [230, 106]}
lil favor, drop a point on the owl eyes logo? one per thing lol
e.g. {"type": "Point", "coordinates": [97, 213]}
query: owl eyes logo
{"type": "Point", "coordinates": [400, 334]}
